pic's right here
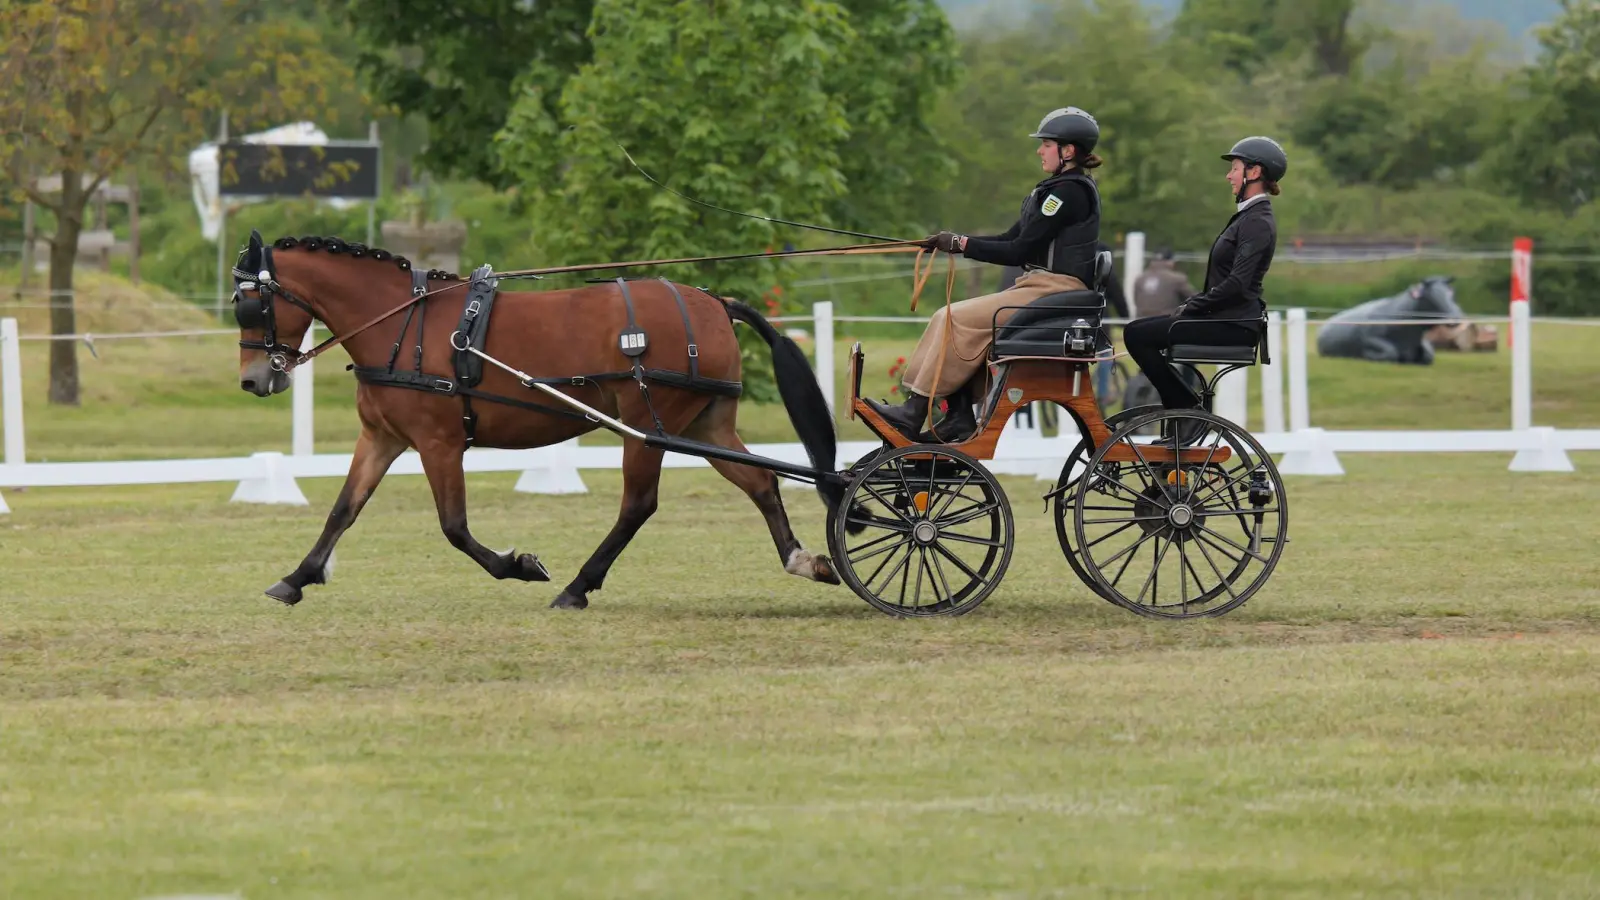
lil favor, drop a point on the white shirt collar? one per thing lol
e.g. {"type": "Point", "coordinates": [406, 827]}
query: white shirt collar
{"type": "Point", "coordinates": [1261, 196]}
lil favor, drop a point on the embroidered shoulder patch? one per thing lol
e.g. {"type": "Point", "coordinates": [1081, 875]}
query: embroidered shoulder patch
{"type": "Point", "coordinates": [1051, 204]}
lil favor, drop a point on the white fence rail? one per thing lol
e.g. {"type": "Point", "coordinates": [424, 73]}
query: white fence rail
{"type": "Point", "coordinates": [1023, 449]}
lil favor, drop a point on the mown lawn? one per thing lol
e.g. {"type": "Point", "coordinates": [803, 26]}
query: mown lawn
{"type": "Point", "coordinates": [1407, 709]}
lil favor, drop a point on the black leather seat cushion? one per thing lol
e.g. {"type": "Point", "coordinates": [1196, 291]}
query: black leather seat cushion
{"type": "Point", "coordinates": [1212, 353]}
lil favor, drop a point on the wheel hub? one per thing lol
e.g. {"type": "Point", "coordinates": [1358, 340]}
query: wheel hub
{"type": "Point", "coordinates": [1181, 515]}
{"type": "Point", "coordinates": [925, 532]}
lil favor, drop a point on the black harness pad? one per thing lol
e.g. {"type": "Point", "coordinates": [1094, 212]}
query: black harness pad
{"type": "Point", "coordinates": [474, 326]}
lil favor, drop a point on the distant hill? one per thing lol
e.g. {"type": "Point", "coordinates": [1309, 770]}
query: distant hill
{"type": "Point", "coordinates": [1517, 17]}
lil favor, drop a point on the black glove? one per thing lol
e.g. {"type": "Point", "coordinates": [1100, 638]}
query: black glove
{"type": "Point", "coordinates": [948, 241]}
{"type": "Point", "coordinates": [1186, 307]}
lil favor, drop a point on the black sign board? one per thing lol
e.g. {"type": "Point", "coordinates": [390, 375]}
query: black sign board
{"type": "Point", "coordinates": [345, 171]}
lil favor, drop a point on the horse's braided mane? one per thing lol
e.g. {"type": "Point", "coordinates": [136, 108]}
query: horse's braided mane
{"type": "Point", "coordinates": [337, 245]}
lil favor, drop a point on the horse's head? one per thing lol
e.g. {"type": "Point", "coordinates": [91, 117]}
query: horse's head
{"type": "Point", "coordinates": [272, 321]}
{"type": "Point", "coordinates": [1436, 297]}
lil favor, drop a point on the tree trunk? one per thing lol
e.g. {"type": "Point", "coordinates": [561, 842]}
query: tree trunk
{"type": "Point", "coordinates": [63, 319]}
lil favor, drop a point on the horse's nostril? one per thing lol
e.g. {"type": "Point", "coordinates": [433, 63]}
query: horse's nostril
{"type": "Point", "coordinates": [248, 384]}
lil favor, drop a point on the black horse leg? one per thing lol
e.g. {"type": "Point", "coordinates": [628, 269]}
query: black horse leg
{"type": "Point", "coordinates": [716, 426]}
{"type": "Point", "coordinates": [641, 484]}
{"type": "Point", "coordinates": [375, 452]}
{"type": "Point", "coordinates": [442, 464]}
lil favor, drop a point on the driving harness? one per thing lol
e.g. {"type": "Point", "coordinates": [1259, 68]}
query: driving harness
{"type": "Point", "coordinates": [472, 332]}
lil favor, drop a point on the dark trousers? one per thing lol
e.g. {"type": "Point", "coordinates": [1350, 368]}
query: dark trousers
{"type": "Point", "coordinates": [1146, 338]}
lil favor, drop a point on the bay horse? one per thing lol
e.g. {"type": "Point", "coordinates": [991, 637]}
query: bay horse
{"type": "Point", "coordinates": [554, 335]}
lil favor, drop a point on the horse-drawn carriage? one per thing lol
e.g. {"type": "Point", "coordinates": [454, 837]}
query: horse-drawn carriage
{"type": "Point", "coordinates": [1187, 523]}
{"type": "Point", "coordinates": [1159, 526]}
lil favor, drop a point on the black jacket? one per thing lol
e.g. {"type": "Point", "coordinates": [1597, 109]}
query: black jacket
{"type": "Point", "coordinates": [1059, 230]}
{"type": "Point", "coordinates": [1239, 261]}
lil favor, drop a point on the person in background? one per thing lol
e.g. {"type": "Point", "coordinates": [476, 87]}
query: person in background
{"type": "Point", "coordinates": [1161, 287]}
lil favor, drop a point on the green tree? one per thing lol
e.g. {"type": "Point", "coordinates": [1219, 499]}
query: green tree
{"type": "Point", "coordinates": [1551, 148]}
{"type": "Point", "coordinates": [1247, 34]}
{"type": "Point", "coordinates": [98, 87]}
{"type": "Point", "coordinates": [454, 63]}
{"type": "Point", "coordinates": [764, 107]}
{"type": "Point", "coordinates": [1164, 120]}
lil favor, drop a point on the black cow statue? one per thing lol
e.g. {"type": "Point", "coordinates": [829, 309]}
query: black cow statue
{"type": "Point", "coordinates": [1422, 306]}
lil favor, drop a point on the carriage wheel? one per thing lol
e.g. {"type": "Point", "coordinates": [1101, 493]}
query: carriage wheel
{"type": "Point", "coordinates": [936, 532]}
{"type": "Point", "coordinates": [1064, 493]}
{"type": "Point", "coordinates": [1180, 541]}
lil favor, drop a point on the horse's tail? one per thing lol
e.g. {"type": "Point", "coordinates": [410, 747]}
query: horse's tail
{"type": "Point", "coordinates": [802, 398]}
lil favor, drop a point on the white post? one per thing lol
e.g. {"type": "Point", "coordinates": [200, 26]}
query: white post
{"type": "Point", "coordinates": [1233, 398]}
{"type": "Point", "coordinates": [1299, 402]}
{"type": "Point", "coordinates": [304, 400]}
{"type": "Point", "coordinates": [1521, 368]}
{"type": "Point", "coordinates": [1132, 268]}
{"type": "Point", "coordinates": [823, 328]}
{"type": "Point", "coordinates": [11, 386]}
{"type": "Point", "coordinates": [10, 397]}
{"type": "Point", "coordinates": [1272, 378]}
{"type": "Point", "coordinates": [1312, 453]}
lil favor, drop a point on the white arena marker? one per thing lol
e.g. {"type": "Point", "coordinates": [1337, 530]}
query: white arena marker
{"type": "Point", "coordinates": [275, 485]}
{"type": "Point", "coordinates": [554, 472]}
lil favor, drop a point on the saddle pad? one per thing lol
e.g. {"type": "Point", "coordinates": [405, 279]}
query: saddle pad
{"type": "Point", "coordinates": [474, 326]}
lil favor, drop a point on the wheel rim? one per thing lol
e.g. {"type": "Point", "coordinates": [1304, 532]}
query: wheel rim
{"type": "Point", "coordinates": [1199, 539]}
{"type": "Point", "coordinates": [1064, 494]}
{"type": "Point", "coordinates": [937, 535]}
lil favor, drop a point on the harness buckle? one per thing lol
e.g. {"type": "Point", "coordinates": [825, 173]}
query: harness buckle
{"type": "Point", "coordinates": [444, 385]}
{"type": "Point", "coordinates": [473, 308]}
{"type": "Point", "coordinates": [694, 351]}
{"type": "Point", "coordinates": [578, 381]}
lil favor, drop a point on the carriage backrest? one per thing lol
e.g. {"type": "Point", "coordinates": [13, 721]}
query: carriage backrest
{"type": "Point", "coordinates": [1102, 270]}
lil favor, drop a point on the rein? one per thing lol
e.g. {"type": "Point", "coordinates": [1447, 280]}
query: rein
{"type": "Point", "coordinates": [267, 285]}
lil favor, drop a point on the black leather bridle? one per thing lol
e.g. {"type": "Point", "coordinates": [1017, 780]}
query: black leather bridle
{"type": "Point", "coordinates": [258, 311]}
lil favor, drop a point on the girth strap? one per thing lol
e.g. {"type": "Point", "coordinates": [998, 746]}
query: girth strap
{"type": "Point", "coordinates": [633, 343]}
{"type": "Point", "coordinates": [688, 330]}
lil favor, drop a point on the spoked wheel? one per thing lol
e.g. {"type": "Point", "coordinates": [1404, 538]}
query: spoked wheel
{"type": "Point", "coordinates": [1064, 493]}
{"type": "Point", "coordinates": [936, 532]}
{"type": "Point", "coordinates": [1179, 536]}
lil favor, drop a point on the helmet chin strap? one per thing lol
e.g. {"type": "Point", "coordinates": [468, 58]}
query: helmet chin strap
{"type": "Point", "coordinates": [1238, 196]}
{"type": "Point", "coordinates": [1063, 163]}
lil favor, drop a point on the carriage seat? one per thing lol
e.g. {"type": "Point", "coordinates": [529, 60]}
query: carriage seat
{"type": "Point", "coordinates": [1040, 328]}
{"type": "Point", "coordinates": [1242, 352]}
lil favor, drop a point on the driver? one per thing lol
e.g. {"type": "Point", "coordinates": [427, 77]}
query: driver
{"type": "Point", "coordinates": [1055, 241]}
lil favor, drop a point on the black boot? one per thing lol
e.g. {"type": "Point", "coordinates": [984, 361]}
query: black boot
{"type": "Point", "coordinates": [958, 424]}
{"type": "Point", "coordinates": [908, 418]}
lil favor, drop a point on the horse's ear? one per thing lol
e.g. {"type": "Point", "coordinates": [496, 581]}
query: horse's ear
{"type": "Point", "coordinates": [255, 241]}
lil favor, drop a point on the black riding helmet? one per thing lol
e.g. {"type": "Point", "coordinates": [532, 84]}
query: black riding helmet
{"type": "Point", "coordinates": [1264, 152]}
{"type": "Point", "coordinates": [1070, 125]}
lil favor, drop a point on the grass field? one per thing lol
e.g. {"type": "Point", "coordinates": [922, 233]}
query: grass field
{"type": "Point", "coordinates": [1408, 709]}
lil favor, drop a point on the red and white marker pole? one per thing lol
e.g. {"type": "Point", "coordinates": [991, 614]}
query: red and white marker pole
{"type": "Point", "coordinates": [1518, 337]}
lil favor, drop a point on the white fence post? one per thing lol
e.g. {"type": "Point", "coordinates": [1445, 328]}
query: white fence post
{"type": "Point", "coordinates": [11, 387]}
{"type": "Point", "coordinates": [1233, 398]}
{"type": "Point", "coordinates": [304, 421]}
{"type": "Point", "coordinates": [1312, 453]}
{"type": "Point", "coordinates": [1546, 455]}
{"type": "Point", "coordinates": [822, 326]}
{"type": "Point", "coordinates": [1299, 402]}
{"type": "Point", "coordinates": [1272, 377]}
{"type": "Point", "coordinates": [1132, 268]}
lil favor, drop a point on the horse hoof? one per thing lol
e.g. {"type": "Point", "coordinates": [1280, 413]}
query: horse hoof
{"type": "Point", "coordinates": [824, 570]}
{"type": "Point", "coordinates": [530, 569]}
{"type": "Point", "coordinates": [284, 593]}
{"type": "Point", "coordinates": [570, 601]}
